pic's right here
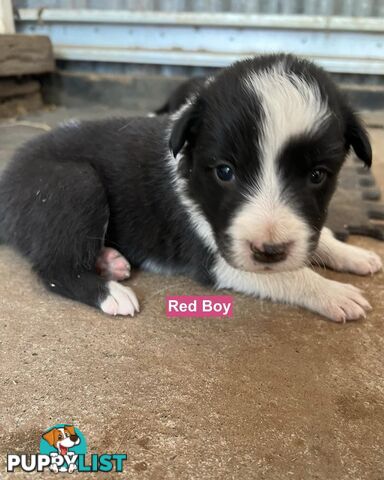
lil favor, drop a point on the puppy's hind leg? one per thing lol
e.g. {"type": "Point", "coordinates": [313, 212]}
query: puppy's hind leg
{"type": "Point", "coordinates": [111, 264]}
{"type": "Point", "coordinates": [65, 234]}
{"type": "Point", "coordinates": [345, 258]}
{"type": "Point", "coordinates": [87, 287]}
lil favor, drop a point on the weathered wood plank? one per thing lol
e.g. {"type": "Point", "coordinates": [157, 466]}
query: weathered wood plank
{"type": "Point", "coordinates": [25, 54]}
{"type": "Point", "coordinates": [11, 87]}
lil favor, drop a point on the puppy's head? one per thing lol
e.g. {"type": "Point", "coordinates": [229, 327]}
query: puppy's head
{"type": "Point", "coordinates": [62, 438]}
{"type": "Point", "coordinates": [258, 151]}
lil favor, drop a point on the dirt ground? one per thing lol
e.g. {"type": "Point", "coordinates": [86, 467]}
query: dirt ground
{"type": "Point", "coordinates": [275, 392]}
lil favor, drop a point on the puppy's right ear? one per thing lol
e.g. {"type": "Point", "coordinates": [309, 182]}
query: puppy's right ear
{"type": "Point", "coordinates": [186, 126]}
{"type": "Point", "coordinates": [71, 429]}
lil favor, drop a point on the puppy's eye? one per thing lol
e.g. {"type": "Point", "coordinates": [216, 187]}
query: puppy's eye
{"type": "Point", "coordinates": [317, 176]}
{"type": "Point", "coordinates": [225, 173]}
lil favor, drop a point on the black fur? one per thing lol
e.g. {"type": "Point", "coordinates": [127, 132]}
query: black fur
{"type": "Point", "coordinates": [62, 188]}
{"type": "Point", "coordinates": [180, 94]}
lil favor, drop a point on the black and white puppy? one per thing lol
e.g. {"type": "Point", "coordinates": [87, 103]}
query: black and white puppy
{"type": "Point", "coordinates": [232, 191]}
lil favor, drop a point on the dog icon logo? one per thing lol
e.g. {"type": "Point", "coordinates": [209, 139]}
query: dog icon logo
{"type": "Point", "coordinates": [63, 443]}
{"type": "Point", "coordinates": [63, 448]}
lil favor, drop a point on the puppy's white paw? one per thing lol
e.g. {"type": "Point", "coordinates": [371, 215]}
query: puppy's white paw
{"type": "Point", "coordinates": [120, 300]}
{"type": "Point", "coordinates": [356, 260]}
{"type": "Point", "coordinates": [339, 302]}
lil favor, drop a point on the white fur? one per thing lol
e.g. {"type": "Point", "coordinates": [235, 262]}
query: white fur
{"type": "Point", "coordinates": [71, 123]}
{"type": "Point", "coordinates": [120, 300]}
{"type": "Point", "coordinates": [189, 101]}
{"type": "Point", "coordinates": [66, 442]}
{"type": "Point", "coordinates": [290, 107]}
{"type": "Point", "coordinates": [257, 223]}
{"type": "Point", "coordinates": [345, 258]}
{"type": "Point", "coordinates": [304, 287]}
{"type": "Point", "coordinates": [196, 216]}
{"type": "Point", "coordinates": [209, 80]}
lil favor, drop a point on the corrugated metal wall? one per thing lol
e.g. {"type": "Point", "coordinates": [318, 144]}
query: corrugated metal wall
{"type": "Point", "coordinates": [120, 41]}
{"type": "Point", "coordinates": [365, 8]}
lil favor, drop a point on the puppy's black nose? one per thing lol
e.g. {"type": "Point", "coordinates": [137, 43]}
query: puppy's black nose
{"type": "Point", "coordinates": [74, 437]}
{"type": "Point", "coordinates": [271, 252]}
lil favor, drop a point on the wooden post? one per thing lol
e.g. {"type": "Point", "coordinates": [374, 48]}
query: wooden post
{"type": "Point", "coordinates": [7, 25]}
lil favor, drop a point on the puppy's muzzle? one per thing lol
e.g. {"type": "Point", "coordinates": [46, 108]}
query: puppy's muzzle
{"type": "Point", "coordinates": [271, 252]}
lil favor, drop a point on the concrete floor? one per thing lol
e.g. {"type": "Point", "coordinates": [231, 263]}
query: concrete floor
{"type": "Point", "coordinates": [275, 392]}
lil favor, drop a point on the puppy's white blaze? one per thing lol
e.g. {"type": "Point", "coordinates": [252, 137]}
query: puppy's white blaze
{"type": "Point", "coordinates": [290, 107]}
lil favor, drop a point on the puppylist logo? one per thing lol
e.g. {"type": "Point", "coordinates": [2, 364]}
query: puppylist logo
{"type": "Point", "coordinates": [63, 449]}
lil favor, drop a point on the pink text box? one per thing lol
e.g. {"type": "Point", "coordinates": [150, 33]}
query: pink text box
{"type": "Point", "coordinates": [199, 306]}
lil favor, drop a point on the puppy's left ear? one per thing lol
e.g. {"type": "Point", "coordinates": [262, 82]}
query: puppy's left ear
{"type": "Point", "coordinates": [186, 126]}
{"type": "Point", "coordinates": [357, 137]}
{"type": "Point", "coordinates": [50, 437]}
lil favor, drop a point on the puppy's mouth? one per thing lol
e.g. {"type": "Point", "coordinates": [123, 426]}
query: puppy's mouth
{"type": "Point", "coordinates": [63, 450]}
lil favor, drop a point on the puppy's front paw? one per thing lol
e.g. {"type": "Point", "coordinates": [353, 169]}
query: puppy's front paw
{"type": "Point", "coordinates": [357, 260]}
{"type": "Point", "coordinates": [54, 468]}
{"type": "Point", "coordinates": [363, 262]}
{"type": "Point", "coordinates": [339, 302]}
{"type": "Point", "coordinates": [120, 300]}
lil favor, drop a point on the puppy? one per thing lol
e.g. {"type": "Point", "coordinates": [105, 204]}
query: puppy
{"type": "Point", "coordinates": [232, 190]}
{"type": "Point", "coordinates": [62, 439]}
